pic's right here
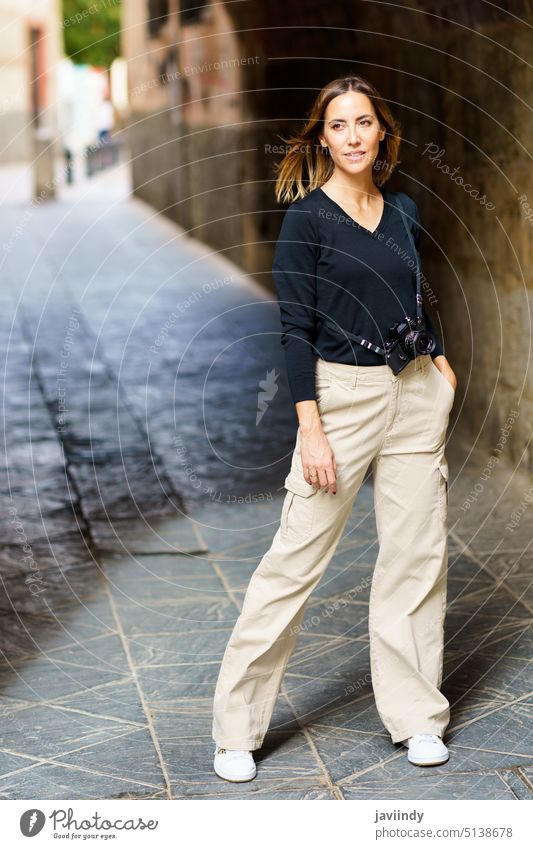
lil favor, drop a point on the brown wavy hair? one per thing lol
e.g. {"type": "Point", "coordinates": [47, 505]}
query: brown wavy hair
{"type": "Point", "coordinates": [305, 166]}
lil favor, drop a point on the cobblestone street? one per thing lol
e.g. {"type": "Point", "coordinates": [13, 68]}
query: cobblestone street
{"type": "Point", "coordinates": [147, 434]}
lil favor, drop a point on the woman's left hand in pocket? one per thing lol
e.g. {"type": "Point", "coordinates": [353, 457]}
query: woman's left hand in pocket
{"type": "Point", "coordinates": [446, 370]}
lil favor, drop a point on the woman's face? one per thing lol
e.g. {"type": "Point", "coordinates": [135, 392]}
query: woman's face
{"type": "Point", "coordinates": [352, 132]}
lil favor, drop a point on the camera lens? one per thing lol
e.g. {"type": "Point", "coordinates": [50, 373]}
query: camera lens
{"type": "Point", "coordinates": [424, 342]}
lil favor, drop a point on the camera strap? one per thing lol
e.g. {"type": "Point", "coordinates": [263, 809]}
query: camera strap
{"type": "Point", "coordinates": [365, 342]}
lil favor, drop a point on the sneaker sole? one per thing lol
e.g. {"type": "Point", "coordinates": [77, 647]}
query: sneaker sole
{"type": "Point", "coordinates": [429, 763]}
{"type": "Point", "coordinates": [236, 780]}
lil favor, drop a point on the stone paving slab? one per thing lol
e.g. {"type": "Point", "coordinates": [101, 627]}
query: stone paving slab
{"type": "Point", "coordinates": [148, 535]}
{"type": "Point", "coordinates": [60, 782]}
{"type": "Point", "coordinates": [489, 785]}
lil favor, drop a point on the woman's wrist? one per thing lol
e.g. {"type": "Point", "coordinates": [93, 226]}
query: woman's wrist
{"type": "Point", "coordinates": [308, 416]}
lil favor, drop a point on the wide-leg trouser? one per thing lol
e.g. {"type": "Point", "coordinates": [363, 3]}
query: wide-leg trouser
{"type": "Point", "coordinates": [398, 424]}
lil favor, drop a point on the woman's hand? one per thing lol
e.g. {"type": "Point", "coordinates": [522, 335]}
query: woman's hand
{"type": "Point", "coordinates": [318, 461]}
{"type": "Point", "coordinates": [446, 370]}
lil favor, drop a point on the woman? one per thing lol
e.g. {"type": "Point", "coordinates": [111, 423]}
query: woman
{"type": "Point", "coordinates": [344, 268]}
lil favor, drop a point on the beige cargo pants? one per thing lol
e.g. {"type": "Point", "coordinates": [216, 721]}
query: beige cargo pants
{"type": "Point", "coordinates": [398, 424]}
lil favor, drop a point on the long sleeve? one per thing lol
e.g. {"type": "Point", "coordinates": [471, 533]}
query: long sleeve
{"type": "Point", "coordinates": [417, 231]}
{"type": "Point", "coordinates": [429, 324]}
{"type": "Point", "coordinates": [294, 273]}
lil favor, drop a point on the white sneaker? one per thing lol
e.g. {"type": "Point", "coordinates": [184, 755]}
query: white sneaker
{"type": "Point", "coordinates": [426, 750]}
{"type": "Point", "coordinates": [234, 764]}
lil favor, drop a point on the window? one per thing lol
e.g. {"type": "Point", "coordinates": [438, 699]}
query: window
{"type": "Point", "coordinates": [37, 72]}
{"type": "Point", "coordinates": [157, 16]}
{"type": "Point", "coordinates": [192, 11]}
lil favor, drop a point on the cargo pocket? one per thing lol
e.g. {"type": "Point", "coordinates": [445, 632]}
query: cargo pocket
{"type": "Point", "coordinates": [443, 489]}
{"type": "Point", "coordinates": [298, 510]}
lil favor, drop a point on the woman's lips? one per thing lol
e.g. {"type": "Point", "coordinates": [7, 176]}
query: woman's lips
{"type": "Point", "coordinates": [355, 156]}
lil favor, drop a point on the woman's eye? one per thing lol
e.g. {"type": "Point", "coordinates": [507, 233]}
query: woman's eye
{"type": "Point", "coordinates": [366, 122]}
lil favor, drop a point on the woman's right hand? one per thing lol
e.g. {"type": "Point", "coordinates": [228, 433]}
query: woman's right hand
{"type": "Point", "coordinates": [318, 461]}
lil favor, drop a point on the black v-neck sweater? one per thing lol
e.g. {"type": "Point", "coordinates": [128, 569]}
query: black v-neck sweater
{"type": "Point", "coordinates": [326, 264]}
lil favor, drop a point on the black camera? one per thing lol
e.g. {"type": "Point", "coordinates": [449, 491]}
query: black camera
{"type": "Point", "coordinates": [407, 339]}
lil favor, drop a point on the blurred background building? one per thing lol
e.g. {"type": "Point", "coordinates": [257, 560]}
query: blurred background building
{"type": "Point", "coordinates": [30, 50]}
{"type": "Point", "coordinates": [61, 80]}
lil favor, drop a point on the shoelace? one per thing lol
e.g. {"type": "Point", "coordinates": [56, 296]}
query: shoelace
{"type": "Point", "coordinates": [431, 738]}
{"type": "Point", "coordinates": [232, 752]}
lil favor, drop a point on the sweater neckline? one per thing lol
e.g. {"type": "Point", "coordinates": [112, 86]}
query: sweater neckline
{"type": "Point", "coordinates": [384, 214]}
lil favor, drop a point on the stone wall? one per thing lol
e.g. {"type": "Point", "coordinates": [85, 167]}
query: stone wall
{"type": "Point", "coordinates": [482, 259]}
{"type": "Point", "coordinates": [217, 183]}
